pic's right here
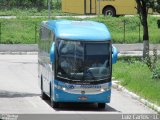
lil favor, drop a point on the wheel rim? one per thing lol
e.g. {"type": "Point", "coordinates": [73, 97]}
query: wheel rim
{"type": "Point", "coordinates": [109, 13]}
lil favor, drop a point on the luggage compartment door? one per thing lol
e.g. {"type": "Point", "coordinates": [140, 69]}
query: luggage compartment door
{"type": "Point", "coordinates": [90, 6]}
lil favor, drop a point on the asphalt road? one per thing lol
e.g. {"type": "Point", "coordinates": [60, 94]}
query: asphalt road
{"type": "Point", "coordinates": [20, 93]}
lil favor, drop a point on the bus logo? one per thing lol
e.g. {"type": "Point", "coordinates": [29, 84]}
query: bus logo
{"type": "Point", "coordinates": [82, 92]}
{"type": "Point", "coordinates": [69, 86]}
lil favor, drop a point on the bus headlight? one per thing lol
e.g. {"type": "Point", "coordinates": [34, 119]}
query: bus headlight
{"type": "Point", "coordinates": [60, 87]}
{"type": "Point", "coordinates": [102, 90]}
{"type": "Point", "coordinates": [63, 88]}
{"type": "Point", "coordinates": [105, 89]}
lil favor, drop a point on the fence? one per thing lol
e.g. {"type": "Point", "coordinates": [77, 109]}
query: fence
{"type": "Point", "coordinates": [126, 32]}
{"type": "Point", "coordinates": [15, 32]}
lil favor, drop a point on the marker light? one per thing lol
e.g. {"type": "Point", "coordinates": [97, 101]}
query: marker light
{"type": "Point", "coordinates": [63, 89]}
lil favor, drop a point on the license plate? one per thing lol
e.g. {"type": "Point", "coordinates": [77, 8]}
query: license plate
{"type": "Point", "coordinates": [83, 98]}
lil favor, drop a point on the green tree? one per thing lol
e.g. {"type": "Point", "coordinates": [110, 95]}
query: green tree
{"type": "Point", "coordinates": [142, 7]}
{"type": "Point", "coordinates": [22, 3]}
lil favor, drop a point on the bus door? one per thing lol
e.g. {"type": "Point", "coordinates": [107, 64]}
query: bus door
{"type": "Point", "coordinates": [90, 6]}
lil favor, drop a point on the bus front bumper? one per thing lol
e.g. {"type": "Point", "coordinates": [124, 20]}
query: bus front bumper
{"type": "Point", "coordinates": [81, 95]}
{"type": "Point", "coordinates": [63, 96]}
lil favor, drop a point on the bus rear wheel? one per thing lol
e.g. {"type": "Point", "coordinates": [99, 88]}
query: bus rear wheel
{"type": "Point", "coordinates": [101, 105]}
{"type": "Point", "coordinates": [109, 11]}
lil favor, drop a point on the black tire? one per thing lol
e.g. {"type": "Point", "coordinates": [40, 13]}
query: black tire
{"type": "Point", "coordinates": [109, 11]}
{"type": "Point", "coordinates": [54, 104]}
{"type": "Point", "coordinates": [101, 105]}
{"type": "Point", "coordinates": [43, 95]}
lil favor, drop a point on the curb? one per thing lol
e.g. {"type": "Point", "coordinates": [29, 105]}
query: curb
{"type": "Point", "coordinates": [18, 53]}
{"type": "Point", "coordinates": [18, 47]}
{"type": "Point", "coordinates": [153, 106]}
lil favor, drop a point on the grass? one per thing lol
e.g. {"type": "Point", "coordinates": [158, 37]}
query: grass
{"type": "Point", "coordinates": [136, 77]}
{"type": "Point", "coordinates": [116, 26]}
{"type": "Point", "coordinates": [22, 29]}
{"type": "Point", "coordinates": [30, 12]}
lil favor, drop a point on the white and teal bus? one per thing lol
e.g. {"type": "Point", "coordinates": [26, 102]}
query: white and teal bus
{"type": "Point", "coordinates": [75, 62]}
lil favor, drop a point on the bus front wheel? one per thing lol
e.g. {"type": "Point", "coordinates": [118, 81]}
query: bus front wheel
{"type": "Point", "coordinates": [109, 11]}
{"type": "Point", "coordinates": [43, 95]}
{"type": "Point", "coordinates": [101, 105]}
{"type": "Point", "coordinates": [54, 104]}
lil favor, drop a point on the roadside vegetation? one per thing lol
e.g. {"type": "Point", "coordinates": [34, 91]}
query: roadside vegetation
{"type": "Point", "coordinates": [129, 29]}
{"type": "Point", "coordinates": [136, 76]}
{"type": "Point", "coordinates": [29, 7]}
{"type": "Point", "coordinates": [25, 29]}
{"type": "Point", "coordinates": [19, 31]}
{"type": "Point", "coordinates": [123, 29]}
{"type": "Point", "coordinates": [30, 12]}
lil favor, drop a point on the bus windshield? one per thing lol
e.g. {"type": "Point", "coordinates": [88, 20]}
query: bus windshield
{"type": "Point", "coordinates": [83, 61]}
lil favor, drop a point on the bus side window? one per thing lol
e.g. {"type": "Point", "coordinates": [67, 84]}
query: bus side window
{"type": "Point", "coordinates": [43, 37]}
{"type": "Point", "coordinates": [52, 36]}
{"type": "Point", "coordinates": [48, 40]}
{"type": "Point", "coordinates": [51, 40]}
{"type": "Point", "coordinates": [43, 33]}
{"type": "Point", "coordinates": [46, 37]}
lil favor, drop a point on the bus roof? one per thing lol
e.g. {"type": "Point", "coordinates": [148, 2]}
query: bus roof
{"type": "Point", "coordinates": [79, 30]}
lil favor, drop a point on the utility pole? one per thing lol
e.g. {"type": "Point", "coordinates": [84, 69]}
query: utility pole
{"type": "Point", "coordinates": [99, 7]}
{"type": "Point", "coordinates": [49, 9]}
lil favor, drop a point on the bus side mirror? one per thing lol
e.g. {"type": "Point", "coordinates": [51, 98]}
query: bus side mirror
{"type": "Point", "coordinates": [114, 55]}
{"type": "Point", "coordinates": [52, 53]}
